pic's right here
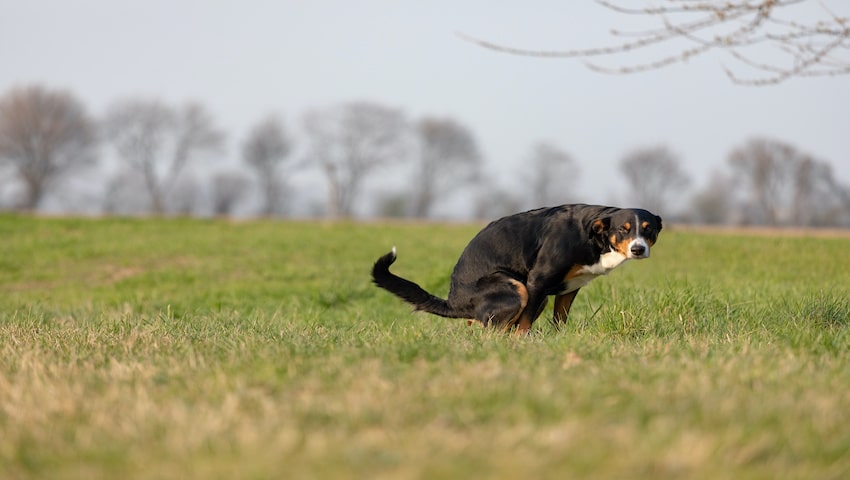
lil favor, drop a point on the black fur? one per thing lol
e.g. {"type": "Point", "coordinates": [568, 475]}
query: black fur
{"type": "Point", "coordinates": [407, 290]}
{"type": "Point", "coordinates": [504, 275]}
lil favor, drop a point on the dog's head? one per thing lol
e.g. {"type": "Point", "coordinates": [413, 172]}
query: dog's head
{"type": "Point", "coordinates": [631, 232]}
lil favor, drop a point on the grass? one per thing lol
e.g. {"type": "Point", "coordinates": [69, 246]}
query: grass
{"type": "Point", "coordinates": [175, 348]}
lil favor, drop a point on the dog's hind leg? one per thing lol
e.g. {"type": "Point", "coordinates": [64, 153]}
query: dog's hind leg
{"type": "Point", "coordinates": [504, 302]}
{"type": "Point", "coordinates": [501, 301]}
{"type": "Point", "coordinates": [523, 320]}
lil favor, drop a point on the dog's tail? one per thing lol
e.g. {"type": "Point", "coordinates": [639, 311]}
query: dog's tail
{"type": "Point", "coordinates": [407, 290]}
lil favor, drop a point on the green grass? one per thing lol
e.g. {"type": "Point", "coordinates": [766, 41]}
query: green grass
{"type": "Point", "coordinates": [175, 348]}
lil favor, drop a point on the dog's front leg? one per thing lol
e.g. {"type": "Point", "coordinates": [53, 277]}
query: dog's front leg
{"type": "Point", "coordinates": [563, 303]}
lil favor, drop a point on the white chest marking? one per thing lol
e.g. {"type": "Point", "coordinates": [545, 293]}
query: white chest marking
{"type": "Point", "coordinates": [607, 261]}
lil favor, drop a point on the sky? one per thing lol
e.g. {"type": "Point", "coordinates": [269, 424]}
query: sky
{"type": "Point", "coordinates": [248, 59]}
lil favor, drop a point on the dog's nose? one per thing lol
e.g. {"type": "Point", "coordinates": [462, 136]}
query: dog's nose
{"type": "Point", "coordinates": [638, 250]}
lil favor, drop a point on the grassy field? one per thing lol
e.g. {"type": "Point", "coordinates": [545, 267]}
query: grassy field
{"type": "Point", "coordinates": [175, 348]}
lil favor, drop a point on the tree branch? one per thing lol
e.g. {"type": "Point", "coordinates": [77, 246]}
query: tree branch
{"type": "Point", "coordinates": [802, 42]}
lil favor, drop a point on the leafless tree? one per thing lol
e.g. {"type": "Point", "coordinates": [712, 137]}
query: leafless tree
{"type": "Point", "coordinates": [765, 167]}
{"type": "Point", "coordinates": [747, 30]}
{"type": "Point", "coordinates": [228, 188]}
{"type": "Point", "coordinates": [265, 150]}
{"type": "Point", "coordinates": [653, 174]}
{"type": "Point", "coordinates": [495, 202]}
{"type": "Point", "coordinates": [448, 156]}
{"type": "Point", "coordinates": [124, 194]}
{"type": "Point", "coordinates": [787, 187]}
{"type": "Point", "coordinates": [157, 141]}
{"type": "Point", "coordinates": [44, 134]}
{"type": "Point", "coordinates": [350, 141]}
{"type": "Point", "coordinates": [551, 172]}
{"type": "Point", "coordinates": [185, 197]}
{"type": "Point", "coordinates": [716, 203]}
{"type": "Point", "coordinates": [393, 204]}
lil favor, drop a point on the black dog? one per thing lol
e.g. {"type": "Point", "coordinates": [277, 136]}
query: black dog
{"type": "Point", "coordinates": [506, 273]}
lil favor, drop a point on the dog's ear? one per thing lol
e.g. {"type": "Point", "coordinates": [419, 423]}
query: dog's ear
{"type": "Point", "coordinates": [599, 230]}
{"type": "Point", "coordinates": [658, 219]}
{"type": "Point", "coordinates": [600, 225]}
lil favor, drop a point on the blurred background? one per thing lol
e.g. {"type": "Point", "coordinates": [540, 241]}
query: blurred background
{"type": "Point", "coordinates": [737, 114]}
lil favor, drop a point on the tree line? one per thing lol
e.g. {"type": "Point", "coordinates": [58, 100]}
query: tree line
{"type": "Point", "coordinates": [47, 135]}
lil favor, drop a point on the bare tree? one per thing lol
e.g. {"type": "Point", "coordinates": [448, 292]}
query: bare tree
{"type": "Point", "coordinates": [653, 174]}
{"type": "Point", "coordinates": [494, 202]}
{"type": "Point", "coordinates": [765, 167]}
{"type": "Point", "coordinates": [393, 204]}
{"type": "Point", "coordinates": [747, 30]}
{"type": "Point", "coordinates": [448, 156]}
{"type": "Point", "coordinates": [157, 141]}
{"type": "Point", "coordinates": [349, 142]}
{"type": "Point", "coordinates": [551, 172]}
{"type": "Point", "coordinates": [715, 204]}
{"type": "Point", "coordinates": [124, 194]}
{"type": "Point", "coordinates": [185, 196]}
{"type": "Point", "coordinates": [787, 187]}
{"type": "Point", "coordinates": [228, 189]}
{"type": "Point", "coordinates": [265, 150]}
{"type": "Point", "coordinates": [44, 134]}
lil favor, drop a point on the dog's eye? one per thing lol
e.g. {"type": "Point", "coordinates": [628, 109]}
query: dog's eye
{"type": "Point", "coordinates": [624, 229]}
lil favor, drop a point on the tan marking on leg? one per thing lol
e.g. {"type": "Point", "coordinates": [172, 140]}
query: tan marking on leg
{"type": "Point", "coordinates": [522, 291]}
{"type": "Point", "coordinates": [523, 325]}
{"type": "Point", "coordinates": [563, 303]}
{"type": "Point", "coordinates": [523, 301]}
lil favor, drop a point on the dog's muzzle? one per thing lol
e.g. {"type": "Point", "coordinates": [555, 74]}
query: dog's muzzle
{"type": "Point", "coordinates": [638, 248]}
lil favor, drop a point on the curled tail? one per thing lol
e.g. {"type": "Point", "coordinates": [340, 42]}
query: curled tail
{"type": "Point", "coordinates": [407, 290]}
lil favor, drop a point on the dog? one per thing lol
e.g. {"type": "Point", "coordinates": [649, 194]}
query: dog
{"type": "Point", "coordinates": [508, 270]}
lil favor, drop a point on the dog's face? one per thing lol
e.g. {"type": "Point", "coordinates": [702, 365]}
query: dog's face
{"type": "Point", "coordinates": [629, 232]}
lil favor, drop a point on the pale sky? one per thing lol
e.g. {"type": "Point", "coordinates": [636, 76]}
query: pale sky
{"type": "Point", "coordinates": [246, 59]}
